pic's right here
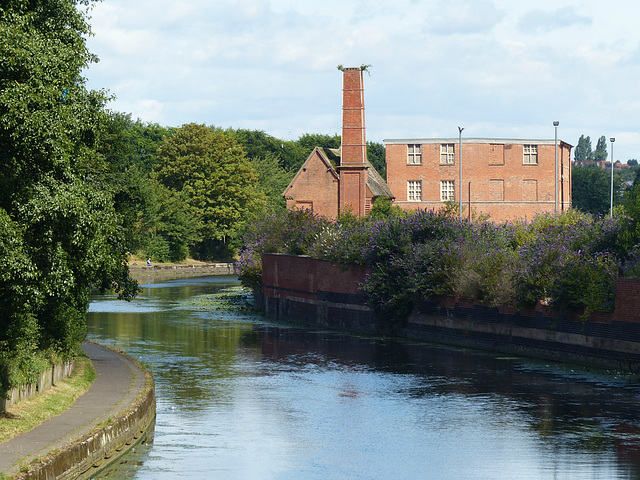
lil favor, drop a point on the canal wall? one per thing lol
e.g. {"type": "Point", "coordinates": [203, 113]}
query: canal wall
{"type": "Point", "coordinates": [156, 273]}
{"type": "Point", "coordinates": [318, 292]}
{"type": "Point", "coordinates": [104, 444]}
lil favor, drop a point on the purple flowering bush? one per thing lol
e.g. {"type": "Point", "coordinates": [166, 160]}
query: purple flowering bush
{"type": "Point", "coordinates": [569, 261]}
{"type": "Point", "coordinates": [291, 231]}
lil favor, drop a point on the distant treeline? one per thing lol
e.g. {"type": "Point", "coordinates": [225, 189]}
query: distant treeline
{"type": "Point", "coordinates": [190, 191]}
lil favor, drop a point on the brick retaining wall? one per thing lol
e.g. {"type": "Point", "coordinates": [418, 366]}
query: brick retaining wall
{"type": "Point", "coordinates": [318, 292]}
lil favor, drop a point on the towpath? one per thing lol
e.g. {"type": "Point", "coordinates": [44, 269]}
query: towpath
{"type": "Point", "coordinates": [118, 383]}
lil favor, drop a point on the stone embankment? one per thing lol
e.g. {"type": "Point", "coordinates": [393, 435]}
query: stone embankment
{"type": "Point", "coordinates": [155, 273]}
{"type": "Point", "coordinates": [317, 292]}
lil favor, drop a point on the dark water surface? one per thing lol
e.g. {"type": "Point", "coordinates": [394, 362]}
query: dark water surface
{"type": "Point", "coordinates": [242, 397]}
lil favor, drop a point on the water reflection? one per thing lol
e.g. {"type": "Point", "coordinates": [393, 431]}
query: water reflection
{"type": "Point", "coordinates": [240, 396]}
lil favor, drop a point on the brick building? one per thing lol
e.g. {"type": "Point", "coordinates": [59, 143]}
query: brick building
{"type": "Point", "coordinates": [333, 181]}
{"type": "Point", "coordinates": [505, 179]}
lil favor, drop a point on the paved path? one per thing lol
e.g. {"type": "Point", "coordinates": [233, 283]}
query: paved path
{"type": "Point", "coordinates": [118, 382]}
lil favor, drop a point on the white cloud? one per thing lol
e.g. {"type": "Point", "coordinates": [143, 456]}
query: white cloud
{"type": "Point", "coordinates": [544, 20]}
{"type": "Point", "coordinates": [463, 17]}
{"type": "Point", "coordinates": [490, 65]}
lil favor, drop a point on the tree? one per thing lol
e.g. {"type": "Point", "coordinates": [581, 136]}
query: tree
{"type": "Point", "coordinates": [210, 169]}
{"type": "Point", "coordinates": [583, 151]}
{"type": "Point", "coordinates": [273, 179]}
{"type": "Point", "coordinates": [600, 154]}
{"type": "Point", "coordinates": [126, 143]}
{"type": "Point", "coordinates": [59, 232]}
{"type": "Point", "coordinates": [376, 154]}
{"type": "Point", "coordinates": [591, 189]}
{"type": "Point", "coordinates": [632, 162]}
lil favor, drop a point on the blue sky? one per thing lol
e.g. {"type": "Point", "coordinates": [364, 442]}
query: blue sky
{"type": "Point", "coordinates": [498, 68]}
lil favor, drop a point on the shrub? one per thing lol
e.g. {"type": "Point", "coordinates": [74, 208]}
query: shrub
{"type": "Point", "coordinates": [569, 261]}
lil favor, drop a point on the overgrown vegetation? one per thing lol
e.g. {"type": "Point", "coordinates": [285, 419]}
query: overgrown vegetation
{"type": "Point", "coordinates": [567, 261]}
{"type": "Point", "coordinates": [27, 414]}
{"type": "Point", "coordinates": [59, 231]}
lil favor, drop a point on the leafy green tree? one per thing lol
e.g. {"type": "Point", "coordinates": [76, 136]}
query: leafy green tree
{"type": "Point", "coordinates": [210, 169]}
{"type": "Point", "coordinates": [600, 154]}
{"type": "Point", "coordinates": [632, 162]}
{"type": "Point", "coordinates": [258, 144]}
{"type": "Point", "coordinates": [273, 179]}
{"type": "Point", "coordinates": [582, 152]}
{"type": "Point", "coordinates": [126, 143]}
{"type": "Point", "coordinates": [630, 234]}
{"type": "Point", "coordinates": [376, 154]}
{"type": "Point", "coordinates": [59, 232]}
{"type": "Point", "coordinates": [591, 190]}
{"type": "Point", "coordinates": [171, 231]}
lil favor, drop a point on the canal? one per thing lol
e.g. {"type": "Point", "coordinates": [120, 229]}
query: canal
{"type": "Point", "coordinates": [240, 396]}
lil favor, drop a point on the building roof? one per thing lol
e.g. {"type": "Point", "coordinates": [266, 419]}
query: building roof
{"type": "Point", "coordinates": [496, 141]}
{"type": "Point", "coordinates": [375, 182]}
{"type": "Point", "coordinates": [331, 158]}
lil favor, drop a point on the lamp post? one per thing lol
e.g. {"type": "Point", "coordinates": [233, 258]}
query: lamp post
{"type": "Point", "coordinates": [460, 129]}
{"type": "Point", "coordinates": [555, 125]}
{"type": "Point", "coordinates": [611, 209]}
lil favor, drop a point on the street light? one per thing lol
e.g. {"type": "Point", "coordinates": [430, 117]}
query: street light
{"type": "Point", "coordinates": [460, 129]}
{"type": "Point", "coordinates": [611, 210]}
{"type": "Point", "coordinates": [555, 124]}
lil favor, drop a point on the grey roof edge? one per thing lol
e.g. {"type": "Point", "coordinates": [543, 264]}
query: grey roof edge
{"type": "Point", "coordinates": [498, 141]}
{"type": "Point", "coordinates": [376, 183]}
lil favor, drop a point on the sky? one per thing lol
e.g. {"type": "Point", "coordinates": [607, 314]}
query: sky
{"type": "Point", "coordinates": [497, 68]}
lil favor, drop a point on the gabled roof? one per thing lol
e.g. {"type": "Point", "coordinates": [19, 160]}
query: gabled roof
{"type": "Point", "coordinates": [326, 155]}
{"type": "Point", "coordinates": [331, 158]}
{"type": "Point", "coordinates": [375, 182]}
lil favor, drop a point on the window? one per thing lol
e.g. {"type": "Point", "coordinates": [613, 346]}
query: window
{"type": "Point", "coordinates": [447, 190]}
{"type": "Point", "coordinates": [447, 154]}
{"type": "Point", "coordinates": [414, 190]}
{"type": "Point", "coordinates": [530, 155]}
{"type": "Point", "coordinates": [414, 154]}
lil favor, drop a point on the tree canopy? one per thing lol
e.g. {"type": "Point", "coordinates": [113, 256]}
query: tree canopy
{"type": "Point", "coordinates": [583, 152]}
{"type": "Point", "coordinates": [600, 153]}
{"type": "Point", "coordinates": [219, 184]}
{"type": "Point", "coordinates": [591, 190]}
{"type": "Point", "coordinates": [59, 232]}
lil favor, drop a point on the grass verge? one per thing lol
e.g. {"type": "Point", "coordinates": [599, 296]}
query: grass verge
{"type": "Point", "coordinates": [28, 414]}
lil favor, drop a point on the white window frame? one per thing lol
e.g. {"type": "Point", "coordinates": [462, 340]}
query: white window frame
{"type": "Point", "coordinates": [447, 190]}
{"type": "Point", "coordinates": [447, 154]}
{"type": "Point", "coordinates": [414, 154]}
{"type": "Point", "coordinates": [414, 190]}
{"type": "Point", "coordinates": [530, 155]}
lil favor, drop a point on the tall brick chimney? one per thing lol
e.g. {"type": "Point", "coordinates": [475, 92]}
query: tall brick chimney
{"type": "Point", "coordinates": [353, 157]}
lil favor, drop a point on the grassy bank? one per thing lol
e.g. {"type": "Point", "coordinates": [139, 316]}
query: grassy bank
{"type": "Point", "coordinates": [28, 414]}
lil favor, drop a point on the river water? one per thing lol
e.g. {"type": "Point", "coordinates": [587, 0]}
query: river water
{"type": "Point", "coordinates": [240, 396]}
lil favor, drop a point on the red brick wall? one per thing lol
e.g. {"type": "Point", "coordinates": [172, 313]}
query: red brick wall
{"type": "Point", "coordinates": [627, 300]}
{"type": "Point", "coordinates": [315, 188]}
{"type": "Point", "coordinates": [306, 275]}
{"type": "Point", "coordinates": [494, 175]}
